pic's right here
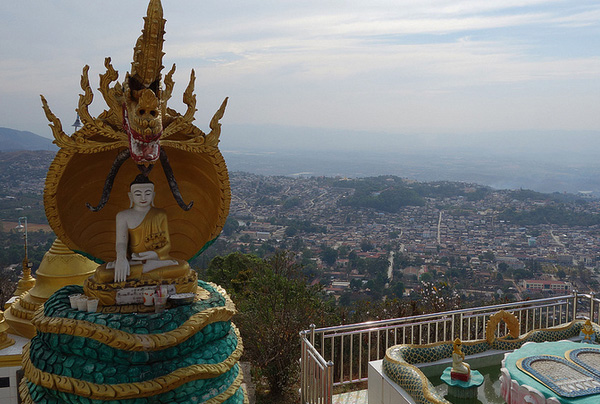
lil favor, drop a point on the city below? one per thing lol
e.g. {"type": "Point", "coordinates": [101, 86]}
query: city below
{"type": "Point", "coordinates": [381, 237]}
{"type": "Point", "coordinates": [485, 243]}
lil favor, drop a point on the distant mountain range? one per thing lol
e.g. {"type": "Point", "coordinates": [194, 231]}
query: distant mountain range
{"type": "Point", "coordinates": [541, 161]}
{"type": "Point", "coordinates": [12, 139]}
{"type": "Point", "coordinates": [545, 161]}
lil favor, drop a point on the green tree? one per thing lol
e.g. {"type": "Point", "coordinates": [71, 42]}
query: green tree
{"type": "Point", "coordinates": [230, 227]}
{"type": "Point", "coordinates": [291, 202]}
{"type": "Point", "coordinates": [375, 267]}
{"type": "Point", "coordinates": [366, 245]}
{"type": "Point", "coordinates": [345, 299]}
{"type": "Point", "coordinates": [234, 271]}
{"type": "Point", "coordinates": [396, 289]}
{"type": "Point", "coordinates": [502, 267]}
{"type": "Point", "coordinates": [519, 274]}
{"type": "Point", "coordinates": [488, 256]}
{"type": "Point", "coordinates": [343, 251]}
{"type": "Point", "coordinates": [355, 284]}
{"type": "Point", "coordinates": [291, 231]}
{"type": "Point", "coordinates": [353, 259]}
{"type": "Point", "coordinates": [307, 253]}
{"type": "Point", "coordinates": [329, 256]}
{"type": "Point", "coordinates": [274, 303]}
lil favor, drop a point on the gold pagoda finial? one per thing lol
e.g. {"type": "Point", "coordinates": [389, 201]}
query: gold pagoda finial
{"type": "Point", "coordinates": [5, 340]}
{"type": "Point", "coordinates": [148, 54]}
{"type": "Point", "coordinates": [26, 283]}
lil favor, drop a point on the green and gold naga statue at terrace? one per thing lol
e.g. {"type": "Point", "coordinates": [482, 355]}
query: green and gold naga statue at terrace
{"type": "Point", "coordinates": [143, 328]}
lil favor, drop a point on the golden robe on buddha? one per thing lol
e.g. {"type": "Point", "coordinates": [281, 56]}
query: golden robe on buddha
{"type": "Point", "coordinates": [152, 234]}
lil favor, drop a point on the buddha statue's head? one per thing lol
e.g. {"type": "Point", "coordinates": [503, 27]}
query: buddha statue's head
{"type": "Point", "coordinates": [141, 192]}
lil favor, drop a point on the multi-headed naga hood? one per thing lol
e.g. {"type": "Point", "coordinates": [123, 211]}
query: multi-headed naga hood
{"type": "Point", "coordinates": [94, 163]}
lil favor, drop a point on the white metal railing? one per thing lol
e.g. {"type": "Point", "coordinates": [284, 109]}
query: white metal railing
{"type": "Point", "coordinates": [334, 356]}
{"type": "Point", "coordinates": [317, 374]}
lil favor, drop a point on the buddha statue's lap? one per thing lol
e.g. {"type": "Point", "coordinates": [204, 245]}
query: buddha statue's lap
{"type": "Point", "coordinates": [106, 275]}
{"type": "Point", "coordinates": [102, 286]}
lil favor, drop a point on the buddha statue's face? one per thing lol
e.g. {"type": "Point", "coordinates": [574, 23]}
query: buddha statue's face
{"type": "Point", "coordinates": [141, 195]}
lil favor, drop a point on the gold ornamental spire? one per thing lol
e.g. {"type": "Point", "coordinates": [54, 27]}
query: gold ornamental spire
{"type": "Point", "coordinates": [148, 54]}
{"type": "Point", "coordinates": [5, 340]}
{"type": "Point", "coordinates": [59, 267]}
{"type": "Point", "coordinates": [26, 282]}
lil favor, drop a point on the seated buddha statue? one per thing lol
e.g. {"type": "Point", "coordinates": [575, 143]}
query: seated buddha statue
{"type": "Point", "coordinates": [459, 367]}
{"type": "Point", "coordinates": [142, 241]}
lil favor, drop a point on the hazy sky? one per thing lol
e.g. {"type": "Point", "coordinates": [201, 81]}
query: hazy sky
{"type": "Point", "coordinates": [398, 66]}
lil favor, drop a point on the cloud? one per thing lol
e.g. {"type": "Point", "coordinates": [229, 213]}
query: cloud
{"type": "Point", "coordinates": [395, 65]}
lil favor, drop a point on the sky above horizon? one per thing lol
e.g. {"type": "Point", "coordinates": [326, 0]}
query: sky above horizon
{"type": "Point", "coordinates": [447, 67]}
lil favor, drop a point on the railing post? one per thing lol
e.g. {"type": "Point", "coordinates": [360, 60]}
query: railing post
{"type": "Point", "coordinates": [574, 304]}
{"type": "Point", "coordinates": [303, 365]}
{"type": "Point", "coordinates": [329, 387]}
{"type": "Point", "coordinates": [312, 342]}
{"type": "Point", "coordinates": [302, 372]}
{"type": "Point", "coordinates": [591, 306]}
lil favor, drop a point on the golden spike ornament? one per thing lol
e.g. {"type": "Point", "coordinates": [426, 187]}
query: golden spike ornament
{"type": "Point", "coordinates": [148, 54]}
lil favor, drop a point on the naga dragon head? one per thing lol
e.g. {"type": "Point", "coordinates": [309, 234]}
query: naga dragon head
{"type": "Point", "coordinates": [142, 97]}
{"type": "Point", "coordinates": [142, 121]}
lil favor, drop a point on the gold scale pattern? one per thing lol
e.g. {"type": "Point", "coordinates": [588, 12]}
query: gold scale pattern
{"type": "Point", "coordinates": [132, 390]}
{"type": "Point", "coordinates": [135, 342]}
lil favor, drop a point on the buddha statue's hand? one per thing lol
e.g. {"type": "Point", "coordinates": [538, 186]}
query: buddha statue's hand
{"type": "Point", "coordinates": [121, 269]}
{"type": "Point", "coordinates": [145, 256]}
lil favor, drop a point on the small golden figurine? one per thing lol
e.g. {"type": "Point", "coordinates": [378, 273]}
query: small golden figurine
{"type": "Point", "coordinates": [587, 333]}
